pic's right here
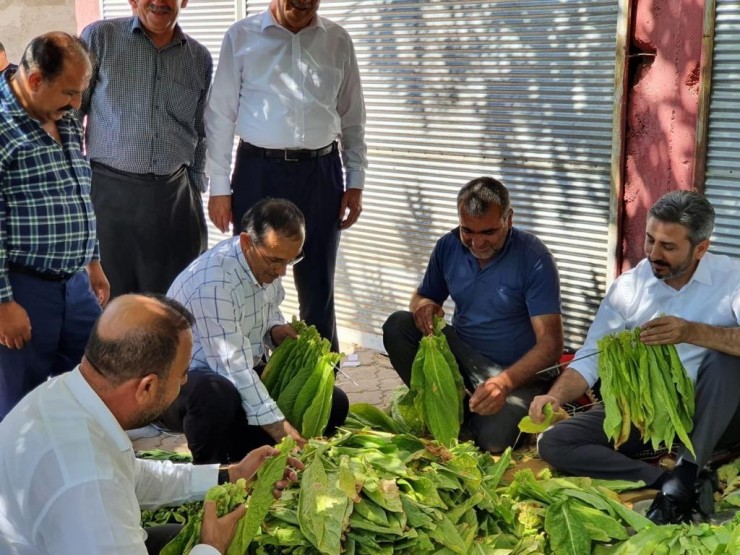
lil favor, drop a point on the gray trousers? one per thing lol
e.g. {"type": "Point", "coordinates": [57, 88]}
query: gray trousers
{"type": "Point", "coordinates": [579, 446]}
{"type": "Point", "coordinates": [149, 228]}
{"type": "Point", "coordinates": [492, 433]}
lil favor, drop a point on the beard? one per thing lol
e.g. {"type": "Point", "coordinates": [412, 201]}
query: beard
{"type": "Point", "coordinates": [146, 417]}
{"type": "Point", "coordinates": [664, 271]}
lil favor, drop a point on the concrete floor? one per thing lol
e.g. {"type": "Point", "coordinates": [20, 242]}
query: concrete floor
{"type": "Point", "coordinates": [370, 382]}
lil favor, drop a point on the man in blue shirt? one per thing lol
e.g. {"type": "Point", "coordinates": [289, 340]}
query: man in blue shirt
{"type": "Point", "coordinates": [507, 324]}
{"type": "Point", "coordinates": [51, 282]}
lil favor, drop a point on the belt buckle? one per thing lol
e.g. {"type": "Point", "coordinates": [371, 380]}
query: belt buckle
{"type": "Point", "coordinates": [285, 157]}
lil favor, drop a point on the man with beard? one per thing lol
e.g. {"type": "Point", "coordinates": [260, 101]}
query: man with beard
{"type": "Point", "coordinates": [146, 144]}
{"type": "Point", "coordinates": [681, 295]}
{"type": "Point", "coordinates": [288, 86]}
{"type": "Point", "coordinates": [507, 324]}
{"type": "Point", "coordinates": [51, 282]}
{"type": "Point", "coordinates": [69, 477]}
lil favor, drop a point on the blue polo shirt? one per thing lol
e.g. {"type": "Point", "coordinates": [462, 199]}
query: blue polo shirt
{"type": "Point", "coordinates": [493, 305]}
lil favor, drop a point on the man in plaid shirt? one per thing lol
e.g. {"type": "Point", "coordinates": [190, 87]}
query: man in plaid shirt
{"type": "Point", "coordinates": [51, 282]}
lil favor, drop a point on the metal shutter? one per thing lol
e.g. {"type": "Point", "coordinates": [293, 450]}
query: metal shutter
{"type": "Point", "coordinates": [722, 184]}
{"type": "Point", "coordinates": [521, 90]}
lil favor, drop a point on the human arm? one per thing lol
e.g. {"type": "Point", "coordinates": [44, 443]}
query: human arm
{"type": "Point", "coordinates": [569, 386]}
{"type": "Point", "coordinates": [197, 172]}
{"type": "Point", "coordinates": [280, 332]}
{"type": "Point", "coordinates": [670, 330]}
{"type": "Point", "coordinates": [490, 396]}
{"type": "Point", "coordinates": [350, 208]}
{"type": "Point", "coordinates": [98, 282]}
{"type": "Point", "coordinates": [351, 111]}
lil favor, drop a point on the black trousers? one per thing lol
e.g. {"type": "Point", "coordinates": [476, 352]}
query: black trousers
{"type": "Point", "coordinates": [209, 412]}
{"type": "Point", "coordinates": [316, 186]}
{"type": "Point", "coordinates": [149, 228]}
{"type": "Point", "coordinates": [579, 445]}
{"type": "Point", "coordinates": [493, 433]}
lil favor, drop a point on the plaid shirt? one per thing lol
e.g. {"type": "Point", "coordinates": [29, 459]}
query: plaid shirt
{"type": "Point", "coordinates": [145, 104]}
{"type": "Point", "coordinates": [46, 218]}
{"type": "Point", "coordinates": [233, 317]}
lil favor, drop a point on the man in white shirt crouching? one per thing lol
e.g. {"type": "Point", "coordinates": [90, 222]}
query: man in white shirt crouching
{"type": "Point", "coordinates": [69, 479]}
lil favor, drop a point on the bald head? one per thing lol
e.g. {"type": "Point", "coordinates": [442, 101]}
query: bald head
{"type": "Point", "coordinates": [48, 54]}
{"type": "Point", "coordinates": [137, 335]}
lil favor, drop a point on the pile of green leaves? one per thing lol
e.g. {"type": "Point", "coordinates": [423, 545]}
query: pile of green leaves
{"type": "Point", "coordinates": [228, 496]}
{"type": "Point", "coordinates": [729, 479]}
{"type": "Point", "coordinates": [681, 539]}
{"type": "Point", "coordinates": [161, 455]}
{"type": "Point", "coordinates": [434, 401]}
{"type": "Point", "coordinates": [645, 386]}
{"type": "Point", "coordinates": [300, 377]}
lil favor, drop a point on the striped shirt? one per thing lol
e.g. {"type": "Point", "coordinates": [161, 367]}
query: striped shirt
{"type": "Point", "coordinates": [46, 217]}
{"type": "Point", "coordinates": [233, 317]}
{"type": "Point", "coordinates": [145, 104]}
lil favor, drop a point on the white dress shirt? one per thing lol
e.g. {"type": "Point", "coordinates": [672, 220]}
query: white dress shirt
{"type": "Point", "coordinates": [278, 89]}
{"type": "Point", "coordinates": [70, 483]}
{"type": "Point", "coordinates": [233, 317]}
{"type": "Point", "coordinates": [712, 296]}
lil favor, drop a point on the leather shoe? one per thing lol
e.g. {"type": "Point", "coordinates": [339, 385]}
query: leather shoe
{"type": "Point", "coordinates": [670, 509]}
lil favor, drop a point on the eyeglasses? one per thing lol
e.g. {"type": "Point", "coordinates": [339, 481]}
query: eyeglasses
{"type": "Point", "coordinates": [278, 262]}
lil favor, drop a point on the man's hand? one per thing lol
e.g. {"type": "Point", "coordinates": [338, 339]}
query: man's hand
{"type": "Point", "coordinates": [15, 325]}
{"type": "Point", "coordinates": [249, 465]}
{"type": "Point", "coordinates": [219, 210]}
{"type": "Point", "coordinates": [666, 330]}
{"type": "Point", "coordinates": [282, 332]}
{"type": "Point", "coordinates": [98, 282]}
{"type": "Point", "coordinates": [219, 532]}
{"type": "Point", "coordinates": [490, 396]}
{"type": "Point", "coordinates": [350, 208]}
{"type": "Point", "coordinates": [538, 404]}
{"type": "Point", "coordinates": [424, 316]}
{"type": "Point", "coordinates": [278, 430]}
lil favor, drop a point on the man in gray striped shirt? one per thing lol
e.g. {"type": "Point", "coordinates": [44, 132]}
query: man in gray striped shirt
{"type": "Point", "coordinates": [146, 144]}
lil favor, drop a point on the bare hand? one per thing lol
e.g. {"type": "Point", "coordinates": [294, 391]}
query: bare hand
{"type": "Point", "coordinates": [219, 210]}
{"type": "Point", "coordinates": [98, 282]}
{"type": "Point", "coordinates": [350, 208]}
{"type": "Point", "coordinates": [282, 332]}
{"type": "Point", "coordinates": [538, 404]}
{"type": "Point", "coordinates": [15, 325]}
{"type": "Point", "coordinates": [666, 330]}
{"type": "Point", "coordinates": [490, 396]}
{"type": "Point", "coordinates": [250, 464]}
{"type": "Point", "coordinates": [424, 316]}
{"type": "Point", "coordinates": [278, 430]}
{"type": "Point", "coordinates": [219, 532]}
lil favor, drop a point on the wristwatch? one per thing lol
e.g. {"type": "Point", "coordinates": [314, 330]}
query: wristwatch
{"type": "Point", "coordinates": [223, 475]}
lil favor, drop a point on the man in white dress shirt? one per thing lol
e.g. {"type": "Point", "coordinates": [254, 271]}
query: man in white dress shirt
{"type": "Point", "coordinates": [288, 86]}
{"type": "Point", "coordinates": [681, 295]}
{"type": "Point", "coordinates": [69, 479]}
{"type": "Point", "coordinates": [234, 293]}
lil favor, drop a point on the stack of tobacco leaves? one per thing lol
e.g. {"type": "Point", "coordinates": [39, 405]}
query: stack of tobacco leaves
{"type": "Point", "coordinates": [300, 377]}
{"type": "Point", "coordinates": [645, 386]}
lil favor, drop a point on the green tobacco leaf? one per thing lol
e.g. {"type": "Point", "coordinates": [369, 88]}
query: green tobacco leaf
{"type": "Point", "coordinates": [567, 535]}
{"type": "Point", "coordinates": [528, 426]}
{"type": "Point", "coordinates": [372, 416]}
{"type": "Point", "coordinates": [440, 398]}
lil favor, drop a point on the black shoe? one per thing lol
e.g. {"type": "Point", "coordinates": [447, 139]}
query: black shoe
{"type": "Point", "coordinates": [670, 509]}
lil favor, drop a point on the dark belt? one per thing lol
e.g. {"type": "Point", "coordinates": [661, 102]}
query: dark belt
{"type": "Point", "coordinates": [40, 274]}
{"type": "Point", "coordinates": [289, 155]}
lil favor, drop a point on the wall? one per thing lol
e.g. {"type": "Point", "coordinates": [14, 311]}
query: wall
{"type": "Point", "coordinates": [22, 20]}
{"type": "Point", "coordinates": [87, 12]}
{"type": "Point", "coordinates": [662, 105]}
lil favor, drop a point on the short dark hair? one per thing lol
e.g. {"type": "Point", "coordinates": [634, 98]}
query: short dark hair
{"type": "Point", "coordinates": [48, 53]}
{"type": "Point", "coordinates": [478, 195]}
{"type": "Point", "coordinates": [2, 48]}
{"type": "Point", "coordinates": [276, 214]}
{"type": "Point", "coordinates": [149, 349]}
{"type": "Point", "coordinates": [689, 209]}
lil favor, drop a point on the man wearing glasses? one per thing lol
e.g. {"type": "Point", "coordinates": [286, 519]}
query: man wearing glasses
{"type": "Point", "coordinates": [234, 292]}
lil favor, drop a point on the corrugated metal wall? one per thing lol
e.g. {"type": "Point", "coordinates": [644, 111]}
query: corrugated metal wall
{"type": "Point", "coordinates": [521, 90]}
{"type": "Point", "coordinates": [723, 147]}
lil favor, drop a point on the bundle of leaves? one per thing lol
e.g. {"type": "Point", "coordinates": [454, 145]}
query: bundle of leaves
{"type": "Point", "coordinates": [228, 496]}
{"type": "Point", "coordinates": [162, 455]}
{"type": "Point", "coordinates": [434, 403]}
{"type": "Point", "coordinates": [300, 377]}
{"type": "Point", "coordinates": [729, 481]}
{"type": "Point", "coordinates": [645, 386]}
